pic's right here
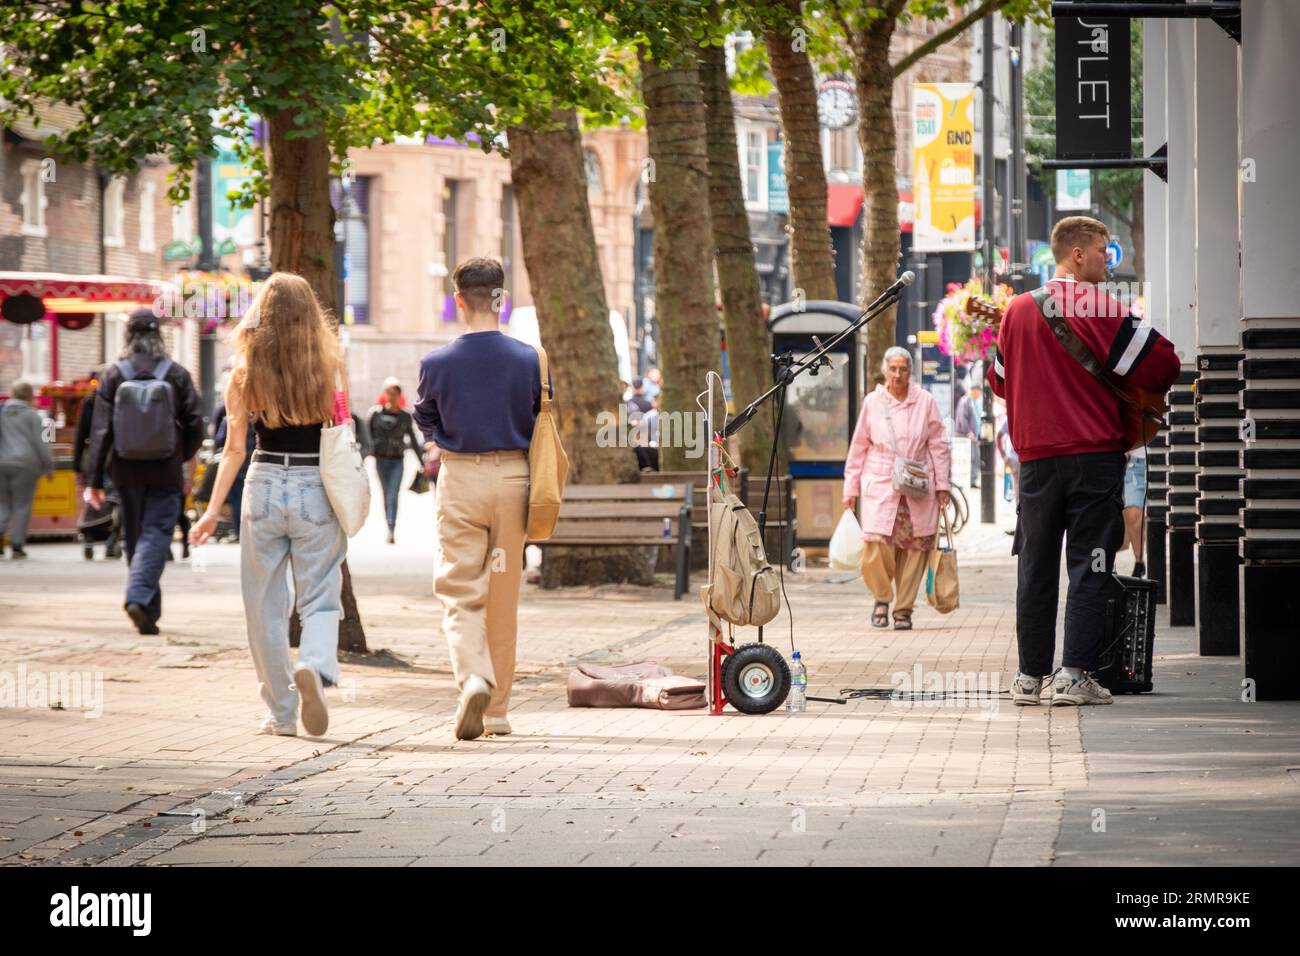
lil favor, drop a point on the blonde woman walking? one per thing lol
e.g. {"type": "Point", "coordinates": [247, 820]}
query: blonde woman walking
{"type": "Point", "coordinates": [286, 366]}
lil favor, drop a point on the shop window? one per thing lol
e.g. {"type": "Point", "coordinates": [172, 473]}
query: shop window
{"type": "Point", "coordinates": [33, 197]}
{"type": "Point", "coordinates": [115, 212]}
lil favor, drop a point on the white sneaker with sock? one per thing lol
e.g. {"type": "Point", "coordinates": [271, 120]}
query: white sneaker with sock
{"type": "Point", "coordinates": [311, 694]}
{"type": "Point", "coordinates": [1027, 691]}
{"type": "Point", "coordinates": [1071, 691]}
{"type": "Point", "coordinates": [474, 697]}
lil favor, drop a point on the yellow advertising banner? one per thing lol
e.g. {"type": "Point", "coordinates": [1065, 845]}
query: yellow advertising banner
{"type": "Point", "coordinates": [943, 164]}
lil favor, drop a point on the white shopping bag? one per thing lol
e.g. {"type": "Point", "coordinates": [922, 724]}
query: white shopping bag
{"type": "Point", "coordinates": [846, 543]}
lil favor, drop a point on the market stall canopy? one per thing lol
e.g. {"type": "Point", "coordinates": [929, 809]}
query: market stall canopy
{"type": "Point", "coordinates": [59, 293]}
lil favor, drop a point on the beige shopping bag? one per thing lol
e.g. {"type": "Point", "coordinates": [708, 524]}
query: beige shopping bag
{"type": "Point", "coordinates": [941, 586]}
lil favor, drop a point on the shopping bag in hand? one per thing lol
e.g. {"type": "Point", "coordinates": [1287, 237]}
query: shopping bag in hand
{"type": "Point", "coordinates": [846, 543]}
{"type": "Point", "coordinates": [941, 589]}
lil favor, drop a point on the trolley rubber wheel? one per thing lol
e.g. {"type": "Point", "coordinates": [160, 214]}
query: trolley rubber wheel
{"type": "Point", "coordinates": [755, 679]}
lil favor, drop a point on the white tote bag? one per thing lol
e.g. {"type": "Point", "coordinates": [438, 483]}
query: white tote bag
{"type": "Point", "coordinates": [846, 543]}
{"type": "Point", "coordinates": [342, 469]}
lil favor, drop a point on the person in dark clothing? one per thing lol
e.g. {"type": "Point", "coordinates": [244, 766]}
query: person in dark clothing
{"type": "Point", "coordinates": [150, 488]}
{"type": "Point", "coordinates": [220, 420]}
{"type": "Point", "coordinates": [1065, 426]}
{"type": "Point", "coordinates": [391, 431]}
{"type": "Point", "coordinates": [967, 425]}
{"type": "Point", "coordinates": [94, 523]}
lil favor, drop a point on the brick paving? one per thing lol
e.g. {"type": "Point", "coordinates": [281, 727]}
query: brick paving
{"type": "Point", "coordinates": [172, 774]}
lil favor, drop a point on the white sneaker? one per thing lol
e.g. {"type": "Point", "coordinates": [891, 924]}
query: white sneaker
{"type": "Point", "coordinates": [1067, 692]}
{"type": "Point", "coordinates": [311, 694]}
{"type": "Point", "coordinates": [1027, 691]}
{"type": "Point", "coordinates": [496, 726]}
{"type": "Point", "coordinates": [474, 697]}
{"type": "Point", "coordinates": [278, 728]}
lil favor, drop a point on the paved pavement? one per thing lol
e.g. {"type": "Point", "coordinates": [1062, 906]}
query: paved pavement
{"type": "Point", "coordinates": [156, 762]}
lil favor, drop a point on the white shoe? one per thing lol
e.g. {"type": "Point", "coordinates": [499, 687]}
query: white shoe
{"type": "Point", "coordinates": [278, 728]}
{"type": "Point", "coordinates": [311, 694]}
{"type": "Point", "coordinates": [496, 726]}
{"type": "Point", "coordinates": [474, 697]}
{"type": "Point", "coordinates": [1027, 691]}
{"type": "Point", "coordinates": [1067, 692]}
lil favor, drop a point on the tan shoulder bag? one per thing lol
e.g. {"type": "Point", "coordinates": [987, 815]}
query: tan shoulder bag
{"type": "Point", "coordinates": [548, 465]}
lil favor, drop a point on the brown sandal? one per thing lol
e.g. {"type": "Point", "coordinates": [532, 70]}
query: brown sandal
{"type": "Point", "coordinates": [880, 614]}
{"type": "Point", "coordinates": [902, 620]}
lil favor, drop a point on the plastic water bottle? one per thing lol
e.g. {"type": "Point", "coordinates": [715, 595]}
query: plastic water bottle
{"type": "Point", "coordinates": [668, 528]}
{"type": "Point", "coordinates": [797, 701]}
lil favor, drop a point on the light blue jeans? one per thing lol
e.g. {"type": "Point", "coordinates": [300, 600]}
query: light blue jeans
{"type": "Point", "coordinates": [287, 526]}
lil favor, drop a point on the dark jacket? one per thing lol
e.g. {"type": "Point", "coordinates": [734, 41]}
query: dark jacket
{"type": "Point", "coordinates": [390, 431]}
{"type": "Point", "coordinates": [160, 474]}
{"type": "Point", "coordinates": [85, 418]}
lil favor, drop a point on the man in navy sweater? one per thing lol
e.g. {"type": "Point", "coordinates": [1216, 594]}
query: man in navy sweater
{"type": "Point", "coordinates": [1065, 425]}
{"type": "Point", "coordinates": [478, 400]}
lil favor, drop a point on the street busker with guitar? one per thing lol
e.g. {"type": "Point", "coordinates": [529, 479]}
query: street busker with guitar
{"type": "Point", "coordinates": [1079, 376]}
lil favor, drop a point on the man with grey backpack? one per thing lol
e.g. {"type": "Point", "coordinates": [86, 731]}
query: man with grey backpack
{"type": "Point", "coordinates": [147, 424]}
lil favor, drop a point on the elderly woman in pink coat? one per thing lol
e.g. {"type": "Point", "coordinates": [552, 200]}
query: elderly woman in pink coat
{"type": "Point", "coordinates": [898, 530]}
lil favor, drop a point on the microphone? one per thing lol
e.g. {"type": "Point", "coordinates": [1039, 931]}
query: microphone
{"type": "Point", "coordinates": [901, 283]}
{"type": "Point", "coordinates": [906, 279]}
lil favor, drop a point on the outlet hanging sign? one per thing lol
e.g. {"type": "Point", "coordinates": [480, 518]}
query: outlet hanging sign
{"type": "Point", "coordinates": [1093, 99]}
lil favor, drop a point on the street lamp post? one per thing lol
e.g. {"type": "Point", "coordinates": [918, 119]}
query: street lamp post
{"type": "Point", "coordinates": [988, 167]}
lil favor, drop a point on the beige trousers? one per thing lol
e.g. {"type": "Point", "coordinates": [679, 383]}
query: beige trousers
{"type": "Point", "coordinates": [893, 573]}
{"type": "Point", "coordinates": [482, 507]}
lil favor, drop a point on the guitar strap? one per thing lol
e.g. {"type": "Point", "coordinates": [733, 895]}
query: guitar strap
{"type": "Point", "coordinates": [1069, 341]}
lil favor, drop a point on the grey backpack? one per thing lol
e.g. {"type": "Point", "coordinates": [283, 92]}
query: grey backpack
{"type": "Point", "coordinates": [144, 414]}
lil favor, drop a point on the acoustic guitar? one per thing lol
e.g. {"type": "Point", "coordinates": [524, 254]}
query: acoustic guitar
{"type": "Point", "coordinates": [1141, 413]}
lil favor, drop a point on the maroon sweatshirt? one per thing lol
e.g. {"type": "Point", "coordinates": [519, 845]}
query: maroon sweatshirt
{"type": "Point", "coordinates": [1054, 407]}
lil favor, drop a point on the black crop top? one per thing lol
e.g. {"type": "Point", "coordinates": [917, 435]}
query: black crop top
{"type": "Point", "coordinates": [293, 439]}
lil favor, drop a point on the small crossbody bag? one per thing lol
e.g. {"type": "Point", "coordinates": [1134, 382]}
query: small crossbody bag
{"type": "Point", "coordinates": [911, 477]}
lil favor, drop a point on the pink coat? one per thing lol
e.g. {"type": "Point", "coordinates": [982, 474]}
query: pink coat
{"type": "Point", "coordinates": [869, 469]}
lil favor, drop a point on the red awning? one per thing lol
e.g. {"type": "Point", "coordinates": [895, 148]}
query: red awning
{"type": "Point", "coordinates": [844, 204]}
{"type": "Point", "coordinates": [79, 294]}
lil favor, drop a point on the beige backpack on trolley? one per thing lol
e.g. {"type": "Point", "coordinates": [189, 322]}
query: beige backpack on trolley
{"type": "Point", "coordinates": [745, 590]}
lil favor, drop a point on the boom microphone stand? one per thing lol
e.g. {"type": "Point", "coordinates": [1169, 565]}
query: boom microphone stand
{"type": "Point", "coordinates": [788, 370]}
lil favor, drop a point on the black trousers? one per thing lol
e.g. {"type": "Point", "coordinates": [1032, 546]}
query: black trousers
{"type": "Point", "coordinates": [148, 521]}
{"type": "Point", "coordinates": [1080, 497]}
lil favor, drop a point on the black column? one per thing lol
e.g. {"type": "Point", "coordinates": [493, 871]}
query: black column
{"type": "Point", "coordinates": [1270, 546]}
{"type": "Point", "coordinates": [1218, 486]}
{"type": "Point", "coordinates": [1182, 501]}
{"type": "Point", "coordinates": [1157, 514]}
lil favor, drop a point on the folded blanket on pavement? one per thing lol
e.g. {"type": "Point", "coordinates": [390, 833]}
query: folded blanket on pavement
{"type": "Point", "coordinates": [643, 684]}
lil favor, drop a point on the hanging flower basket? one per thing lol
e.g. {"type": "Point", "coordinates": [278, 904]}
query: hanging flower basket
{"type": "Point", "coordinates": [967, 338]}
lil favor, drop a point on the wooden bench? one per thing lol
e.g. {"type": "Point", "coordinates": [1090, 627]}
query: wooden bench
{"type": "Point", "coordinates": [700, 507]}
{"type": "Point", "coordinates": [631, 515]}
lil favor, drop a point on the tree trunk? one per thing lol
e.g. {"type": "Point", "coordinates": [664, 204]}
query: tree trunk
{"type": "Point", "coordinates": [874, 80]}
{"type": "Point", "coordinates": [685, 307]}
{"type": "Point", "coordinates": [748, 344]}
{"type": "Point", "coordinates": [812, 258]}
{"type": "Point", "coordinates": [302, 241]}
{"type": "Point", "coordinates": [547, 172]}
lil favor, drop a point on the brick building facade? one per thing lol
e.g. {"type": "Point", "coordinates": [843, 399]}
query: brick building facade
{"type": "Point", "coordinates": [65, 217]}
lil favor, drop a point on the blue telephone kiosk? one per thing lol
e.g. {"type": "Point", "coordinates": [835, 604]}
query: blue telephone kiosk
{"type": "Point", "coordinates": [821, 410]}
